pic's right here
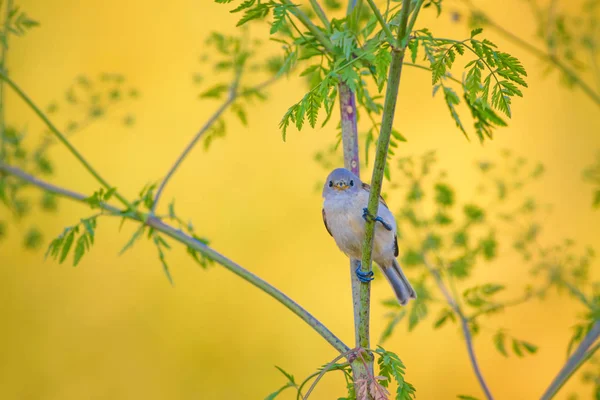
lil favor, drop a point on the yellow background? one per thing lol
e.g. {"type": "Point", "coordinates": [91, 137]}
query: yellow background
{"type": "Point", "coordinates": [113, 328]}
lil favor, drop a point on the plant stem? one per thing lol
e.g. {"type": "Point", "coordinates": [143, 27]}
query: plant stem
{"type": "Point", "coordinates": [386, 28]}
{"type": "Point", "coordinates": [464, 323]}
{"type": "Point", "coordinates": [320, 13]}
{"type": "Point", "coordinates": [360, 305]}
{"type": "Point", "coordinates": [579, 356]}
{"type": "Point", "coordinates": [302, 17]}
{"type": "Point", "coordinates": [413, 18]}
{"type": "Point", "coordinates": [196, 245]}
{"type": "Point", "coordinates": [389, 109]}
{"type": "Point", "coordinates": [351, 162]}
{"type": "Point", "coordinates": [62, 138]}
{"type": "Point", "coordinates": [448, 75]}
{"type": "Point", "coordinates": [576, 79]}
{"type": "Point", "coordinates": [234, 94]}
{"type": "Point", "coordinates": [3, 50]}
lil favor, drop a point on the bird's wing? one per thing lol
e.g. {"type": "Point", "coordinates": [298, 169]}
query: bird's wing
{"type": "Point", "coordinates": [367, 187]}
{"type": "Point", "coordinates": [325, 221]}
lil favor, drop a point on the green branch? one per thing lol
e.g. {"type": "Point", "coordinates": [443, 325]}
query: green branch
{"type": "Point", "coordinates": [320, 13]}
{"type": "Point", "coordinates": [302, 17]}
{"type": "Point", "coordinates": [3, 51]}
{"type": "Point", "coordinates": [389, 109]}
{"type": "Point", "coordinates": [196, 245]}
{"type": "Point", "coordinates": [62, 138]}
{"type": "Point", "coordinates": [386, 28]}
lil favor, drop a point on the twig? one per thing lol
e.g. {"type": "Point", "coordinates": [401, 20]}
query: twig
{"type": "Point", "coordinates": [326, 369]}
{"type": "Point", "coordinates": [63, 139]}
{"type": "Point", "coordinates": [413, 18]}
{"type": "Point", "coordinates": [302, 17]}
{"type": "Point", "coordinates": [234, 94]}
{"type": "Point", "coordinates": [447, 75]}
{"type": "Point", "coordinates": [3, 50]}
{"type": "Point", "coordinates": [320, 13]}
{"type": "Point", "coordinates": [464, 326]}
{"type": "Point", "coordinates": [576, 79]}
{"type": "Point", "coordinates": [510, 303]}
{"type": "Point", "coordinates": [386, 28]}
{"type": "Point", "coordinates": [196, 245]}
{"type": "Point", "coordinates": [579, 356]}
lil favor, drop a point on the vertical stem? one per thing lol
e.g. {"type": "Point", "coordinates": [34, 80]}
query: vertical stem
{"type": "Point", "coordinates": [351, 162]}
{"type": "Point", "coordinates": [3, 50]}
{"type": "Point", "coordinates": [360, 301]}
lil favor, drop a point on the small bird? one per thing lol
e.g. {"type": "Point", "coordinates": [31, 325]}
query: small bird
{"type": "Point", "coordinates": [345, 215]}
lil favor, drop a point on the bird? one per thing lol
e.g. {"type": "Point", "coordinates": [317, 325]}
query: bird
{"type": "Point", "coordinates": [345, 214]}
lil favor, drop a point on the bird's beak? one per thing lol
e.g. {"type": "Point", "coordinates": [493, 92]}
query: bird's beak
{"type": "Point", "coordinates": [340, 186]}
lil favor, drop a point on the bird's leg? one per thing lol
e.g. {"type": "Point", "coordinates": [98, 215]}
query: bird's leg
{"type": "Point", "coordinates": [367, 216]}
{"type": "Point", "coordinates": [364, 277]}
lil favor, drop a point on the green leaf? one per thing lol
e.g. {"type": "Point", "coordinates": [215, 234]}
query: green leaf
{"type": "Point", "coordinates": [444, 195]}
{"type": "Point", "coordinates": [516, 346]}
{"type": "Point", "coordinates": [474, 213]}
{"type": "Point", "coordinates": [79, 249]}
{"type": "Point", "coordinates": [67, 245]}
{"type": "Point", "coordinates": [476, 32]}
{"type": "Point", "coordinates": [530, 348]}
{"type": "Point", "coordinates": [392, 323]}
{"type": "Point", "coordinates": [214, 92]}
{"type": "Point", "coordinates": [499, 342]}
{"type": "Point", "coordinates": [279, 15]}
{"type": "Point", "coordinates": [138, 233]}
{"type": "Point", "coordinates": [445, 315]}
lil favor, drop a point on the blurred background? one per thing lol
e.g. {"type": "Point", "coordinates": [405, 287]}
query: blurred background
{"type": "Point", "coordinates": [114, 328]}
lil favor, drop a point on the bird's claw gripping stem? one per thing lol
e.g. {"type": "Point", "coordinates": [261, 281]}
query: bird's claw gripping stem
{"type": "Point", "coordinates": [364, 277]}
{"type": "Point", "coordinates": [367, 216]}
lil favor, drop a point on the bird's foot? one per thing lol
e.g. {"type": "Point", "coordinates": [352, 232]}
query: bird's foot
{"type": "Point", "coordinates": [364, 277]}
{"type": "Point", "coordinates": [368, 217]}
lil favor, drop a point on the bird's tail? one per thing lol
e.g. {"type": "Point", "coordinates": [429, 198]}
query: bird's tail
{"type": "Point", "coordinates": [402, 287]}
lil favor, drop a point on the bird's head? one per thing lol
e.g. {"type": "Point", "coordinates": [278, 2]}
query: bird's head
{"type": "Point", "coordinates": [340, 181]}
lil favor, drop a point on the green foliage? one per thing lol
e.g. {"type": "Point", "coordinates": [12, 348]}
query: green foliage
{"type": "Point", "coordinates": [291, 383]}
{"type": "Point", "coordinates": [391, 367]}
{"type": "Point", "coordinates": [235, 58]}
{"type": "Point", "coordinates": [60, 247]}
{"type": "Point", "coordinates": [592, 175]}
{"type": "Point", "coordinates": [504, 76]}
{"type": "Point", "coordinates": [18, 23]}
{"type": "Point", "coordinates": [441, 234]}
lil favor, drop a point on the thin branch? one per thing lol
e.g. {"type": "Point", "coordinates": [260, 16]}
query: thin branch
{"type": "Point", "coordinates": [3, 50]}
{"type": "Point", "coordinates": [326, 369]}
{"type": "Point", "coordinates": [413, 18]}
{"type": "Point", "coordinates": [576, 79]}
{"type": "Point", "coordinates": [448, 75]}
{"type": "Point", "coordinates": [302, 17]}
{"type": "Point", "coordinates": [464, 326]}
{"type": "Point", "coordinates": [63, 139]}
{"type": "Point", "coordinates": [579, 356]}
{"type": "Point", "coordinates": [196, 245]}
{"type": "Point", "coordinates": [386, 28]}
{"type": "Point", "coordinates": [320, 13]}
{"type": "Point", "coordinates": [511, 303]}
{"type": "Point", "coordinates": [234, 94]}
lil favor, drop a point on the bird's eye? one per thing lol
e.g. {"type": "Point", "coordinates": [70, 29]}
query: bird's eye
{"type": "Point", "coordinates": [330, 183]}
{"type": "Point", "coordinates": [351, 183]}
